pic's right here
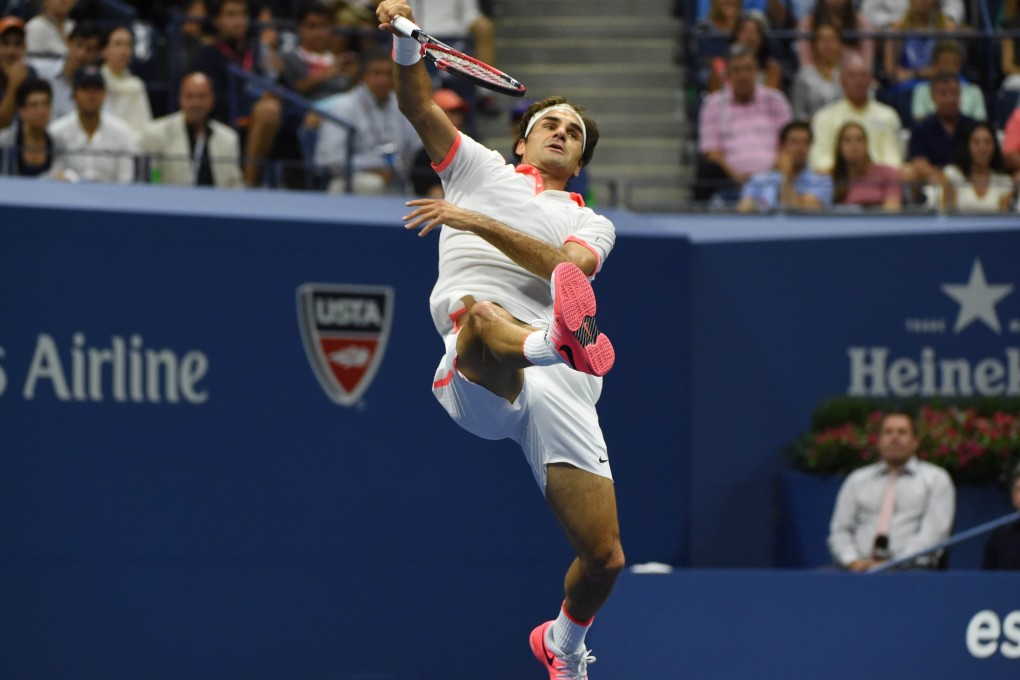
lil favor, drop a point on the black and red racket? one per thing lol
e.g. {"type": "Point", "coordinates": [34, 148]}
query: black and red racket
{"type": "Point", "coordinates": [459, 64]}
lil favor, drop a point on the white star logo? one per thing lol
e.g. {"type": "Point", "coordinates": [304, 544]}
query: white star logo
{"type": "Point", "coordinates": [977, 299]}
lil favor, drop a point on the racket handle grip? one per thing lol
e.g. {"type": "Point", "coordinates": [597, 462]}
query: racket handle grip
{"type": "Point", "coordinates": [405, 27]}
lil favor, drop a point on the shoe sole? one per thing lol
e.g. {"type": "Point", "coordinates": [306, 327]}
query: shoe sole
{"type": "Point", "coordinates": [574, 307]}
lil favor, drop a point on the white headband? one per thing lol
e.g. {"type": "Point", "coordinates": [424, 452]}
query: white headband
{"type": "Point", "coordinates": [561, 107]}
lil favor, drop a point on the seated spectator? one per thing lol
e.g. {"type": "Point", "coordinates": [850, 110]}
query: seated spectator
{"type": "Point", "coordinates": [858, 180]}
{"type": "Point", "coordinates": [1002, 549]}
{"type": "Point", "coordinates": [423, 176]}
{"type": "Point", "coordinates": [711, 36]}
{"type": "Point", "coordinates": [776, 12]}
{"type": "Point", "coordinates": [949, 59]}
{"type": "Point", "coordinates": [841, 15]}
{"type": "Point", "coordinates": [752, 32]}
{"type": "Point", "coordinates": [884, 13]}
{"type": "Point", "coordinates": [894, 507]}
{"type": "Point", "coordinates": [881, 122]}
{"type": "Point", "coordinates": [194, 35]}
{"type": "Point", "coordinates": [13, 69]}
{"type": "Point", "coordinates": [934, 140]}
{"type": "Point", "coordinates": [83, 49]}
{"type": "Point", "coordinates": [791, 185]}
{"type": "Point", "coordinates": [977, 181]}
{"type": "Point", "coordinates": [28, 147]}
{"type": "Point", "coordinates": [910, 59]}
{"type": "Point", "coordinates": [189, 148]}
{"type": "Point", "coordinates": [258, 114]}
{"type": "Point", "coordinates": [817, 84]}
{"type": "Point", "coordinates": [384, 142]}
{"type": "Point", "coordinates": [126, 95]}
{"type": "Point", "coordinates": [311, 69]}
{"type": "Point", "coordinates": [738, 129]}
{"type": "Point", "coordinates": [1010, 47]}
{"type": "Point", "coordinates": [46, 33]}
{"type": "Point", "coordinates": [1011, 144]}
{"type": "Point", "coordinates": [94, 146]}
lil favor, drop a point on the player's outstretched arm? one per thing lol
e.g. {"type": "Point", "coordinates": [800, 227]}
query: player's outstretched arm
{"type": "Point", "coordinates": [414, 87]}
{"type": "Point", "coordinates": [537, 256]}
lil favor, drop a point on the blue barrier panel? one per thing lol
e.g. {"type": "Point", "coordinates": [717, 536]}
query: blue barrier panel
{"type": "Point", "coordinates": [771, 625]}
{"type": "Point", "coordinates": [181, 497]}
{"type": "Point", "coordinates": [780, 325]}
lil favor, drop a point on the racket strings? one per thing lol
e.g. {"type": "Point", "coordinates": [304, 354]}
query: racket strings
{"type": "Point", "coordinates": [451, 60]}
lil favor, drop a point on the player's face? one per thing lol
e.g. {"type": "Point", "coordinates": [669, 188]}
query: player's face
{"type": "Point", "coordinates": [896, 440]}
{"type": "Point", "coordinates": [555, 142]}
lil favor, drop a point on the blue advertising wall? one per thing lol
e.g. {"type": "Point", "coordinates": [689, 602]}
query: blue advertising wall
{"type": "Point", "coordinates": [235, 521]}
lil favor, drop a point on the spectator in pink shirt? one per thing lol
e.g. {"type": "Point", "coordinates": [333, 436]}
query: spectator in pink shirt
{"type": "Point", "coordinates": [738, 129]}
{"type": "Point", "coordinates": [1011, 143]}
{"type": "Point", "coordinates": [857, 180]}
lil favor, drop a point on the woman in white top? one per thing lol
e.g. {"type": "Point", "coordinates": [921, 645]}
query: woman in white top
{"type": "Point", "coordinates": [126, 96]}
{"type": "Point", "coordinates": [977, 180]}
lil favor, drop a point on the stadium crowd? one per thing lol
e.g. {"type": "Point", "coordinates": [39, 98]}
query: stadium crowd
{"type": "Point", "coordinates": [894, 104]}
{"type": "Point", "coordinates": [904, 103]}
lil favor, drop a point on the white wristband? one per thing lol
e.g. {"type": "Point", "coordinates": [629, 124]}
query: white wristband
{"type": "Point", "coordinates": [406, 51]}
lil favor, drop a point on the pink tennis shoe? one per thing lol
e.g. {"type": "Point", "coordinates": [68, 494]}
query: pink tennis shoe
{"type": "Point", "coordinates": [560, 666]}
{"type": "Point", "coordinates": [574, 334]}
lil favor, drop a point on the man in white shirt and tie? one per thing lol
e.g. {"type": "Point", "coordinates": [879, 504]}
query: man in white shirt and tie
{"type": "Point", "coordinates": [893, 507]}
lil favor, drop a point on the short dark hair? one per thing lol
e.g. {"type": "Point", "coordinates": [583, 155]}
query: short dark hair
{"type": "Point", "coordinates": [312, 7]}
{"type": "Point", "coordinates": [590, 128]}
{"type": "Point", "coordinates": [946, 47]}
{"type": "Point", "coordinates": [899, 411]}
{"type": "Point", "coordinates": [217, 6]}
{"type": "Point", "coordinates": [737, 51]}
{"type": "Point", "coordinates": [796, 125]}
{"type": "Point", "coordinates": [117, 27]}
{"type": "Point", "coordinates": [85, 30]}
{"type": "Point", "coordinates": [29, 87]}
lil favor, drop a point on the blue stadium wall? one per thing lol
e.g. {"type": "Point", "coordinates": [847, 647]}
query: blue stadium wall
{"type": "Point", "coordinates": [181, 497]}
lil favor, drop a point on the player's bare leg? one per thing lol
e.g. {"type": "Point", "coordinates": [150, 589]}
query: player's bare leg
{"type": "Point", "coordinates": [585, 505]}
{"type": "Point", "coordinates": [489, 348]}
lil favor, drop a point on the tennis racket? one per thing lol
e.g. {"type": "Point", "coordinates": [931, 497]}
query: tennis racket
{"type": "Point", "coordinates": [458, 63]}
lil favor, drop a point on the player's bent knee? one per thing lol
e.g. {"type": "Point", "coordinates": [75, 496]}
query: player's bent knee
{"type": "Point", "coordinates": [607, 563]}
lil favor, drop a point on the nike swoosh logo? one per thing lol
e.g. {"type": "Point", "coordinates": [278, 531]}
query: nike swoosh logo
{"type": "Point", "coordinates": [603, 460]}
{"type": "Point", "coordinates": [550, 659]}
{"type": "Point", "coordinates": [570, 355]}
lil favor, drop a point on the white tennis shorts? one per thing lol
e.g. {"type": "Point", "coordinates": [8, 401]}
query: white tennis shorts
{"type": "Point", "coordinates": [553, 418]}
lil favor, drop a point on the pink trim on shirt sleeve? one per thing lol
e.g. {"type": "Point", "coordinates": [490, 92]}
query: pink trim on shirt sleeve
{"type": "Point", "coordinates": [598, 259]}
{"type": "Point", "coordinates": [449, 155]}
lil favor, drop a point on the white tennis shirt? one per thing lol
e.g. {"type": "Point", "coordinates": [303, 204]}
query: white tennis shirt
{"type": "Point", "coordinates": [479, 179]}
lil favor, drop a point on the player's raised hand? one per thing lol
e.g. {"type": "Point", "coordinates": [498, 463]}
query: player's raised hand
{"type": "Point", "coordinates": [429, 213]}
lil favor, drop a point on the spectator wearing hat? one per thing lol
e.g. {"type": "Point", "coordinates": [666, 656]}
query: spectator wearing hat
{"type": "Point", "coordinates": [46, 33]}
{"type": "Point", "coordinates": [96, 146]}
{"type": "Point", "coordinates": [423, 176]}
{"type": "Point", "coordinates": [13, 69]}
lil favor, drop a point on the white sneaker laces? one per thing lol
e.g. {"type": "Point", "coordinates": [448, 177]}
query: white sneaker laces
{"type": "Point", "coordinates": [576, 665]}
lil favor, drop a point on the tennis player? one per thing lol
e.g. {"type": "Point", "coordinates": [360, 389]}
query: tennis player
{"type": "Point", "coordinates": [513, 302]}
